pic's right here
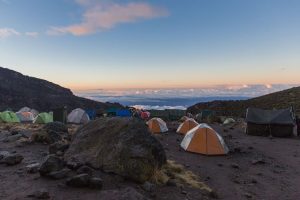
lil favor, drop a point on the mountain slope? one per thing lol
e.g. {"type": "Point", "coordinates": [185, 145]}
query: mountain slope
{"type": "Point", "coordinates": [18, 90]}
{"type": "Point", "coordinates": [277, 100]}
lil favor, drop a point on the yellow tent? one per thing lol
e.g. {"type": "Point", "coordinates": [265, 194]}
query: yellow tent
{"type": "Point", "coordinates": [157, 125]}
{"type": "Point", "coordinates": [204, 140]}
{"type": "Point", "coordinates": [186, 126]}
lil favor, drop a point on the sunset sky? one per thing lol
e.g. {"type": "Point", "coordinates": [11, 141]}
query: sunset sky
{"type": "Point", "coordinates": [92, 44]}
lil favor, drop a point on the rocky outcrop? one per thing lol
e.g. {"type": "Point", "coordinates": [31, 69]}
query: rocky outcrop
{"type": "Point", "coordinates": [118, 145]}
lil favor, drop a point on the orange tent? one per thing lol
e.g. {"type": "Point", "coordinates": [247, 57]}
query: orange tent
{"type": "Point", "coordinates": [205, 140]}
{"type": "Point", "coordinates": [186, 126]}
{"type": "Point", "coordinates": [157, 125]}
{"type": "Point", "coordinates": [182, 119]}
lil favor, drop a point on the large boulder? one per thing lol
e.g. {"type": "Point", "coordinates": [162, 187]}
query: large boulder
{"type": "Point", "coordinates": [119, 145]}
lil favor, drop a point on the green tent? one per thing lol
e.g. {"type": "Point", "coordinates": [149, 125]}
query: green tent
{"type": "Point", "coordinates": [43, 118]}
{"type": "Point", "coordinates": [9, 117]}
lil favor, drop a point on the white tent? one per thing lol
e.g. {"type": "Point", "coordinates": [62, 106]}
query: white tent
{"type": "Point", "coordinates": [78, 116]}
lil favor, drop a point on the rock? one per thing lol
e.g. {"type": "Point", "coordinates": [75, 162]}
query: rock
{"type": "Point", "coordinates": [120, 145]}
{"type": "Point", "coordinates": [235, 166]}
{"type": "Point", "coordinates": [51, 164]}
{"type": "Point", "coordinates": [171, 182]}
{"type": "Point", "coordinates": [59, 174]}
{"type": "Point", "coordinates": [258, 161]}
{"type": "Point", "coordinates": [73, 165]}
{"type": "Point", "coordinates": [51, 133]}
{"type": "Point", "coordinates": [95, 183]}
{"type": "Point", "coordinates": [81, 180]}
{"type": "Point", "coordinates": [58, 146]}
{"type": "Point", "coordinates": [12, 159]}
{"type": "Point", "coordinates": [248, 195]}
{"type": "Point", "coordinates": [148, 187]}
{"type": "Point", "coordinates": [13, 138]}
{"type": "Point", "coordinates": [253, 181]}
{"type": "Point", "coordinates": [184, 192]}
{"type": "Point", "coordinates": [220, 164]}
{"type": "Point", "coordinates": [33, 168]}
{"type": "Point", "coordinates": [85, 170]}
{"type": "Point", "coordinates": [40, 194]}
{"type": "Point", "coordinates": [3, 154]}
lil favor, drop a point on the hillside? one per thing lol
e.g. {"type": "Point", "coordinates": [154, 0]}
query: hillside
{"type": "Point", "coordinates": [277, 100]}
{"type": "Point", "coordinates": [18, 90]}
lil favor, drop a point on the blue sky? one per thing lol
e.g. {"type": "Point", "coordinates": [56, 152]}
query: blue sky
{"type": "Point", "coordinates": [90, 44]}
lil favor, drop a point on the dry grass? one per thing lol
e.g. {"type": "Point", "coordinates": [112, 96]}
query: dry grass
{"type": "Point", "coordinates": [180, 175]}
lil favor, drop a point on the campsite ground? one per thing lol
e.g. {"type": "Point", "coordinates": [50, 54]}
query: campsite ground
{"type": "Point", "coordinates": [256, 168]}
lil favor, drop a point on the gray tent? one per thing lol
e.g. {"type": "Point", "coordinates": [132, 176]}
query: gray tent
{"type": "Point", "coordinates": [278, 123]}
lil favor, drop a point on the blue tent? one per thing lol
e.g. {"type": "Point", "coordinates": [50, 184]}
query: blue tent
{"type": "Point", "coordinates": [91, 113]}
{"type": "Point", "coordinates": [123, 113]}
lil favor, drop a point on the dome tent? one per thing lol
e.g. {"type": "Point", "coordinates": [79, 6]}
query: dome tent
{"type": "Point", "coordinates": [43, 118]}
{"type": "Point", "coordinates": [187, 125]}
{"type": "Point", "coordinates": [204, 140]}
{"type": "Point", "coordinates": [25, 116]}
{"type": "Point", "coordinates": [78, 116]}
{"type": "Point", "coordinates": [9, 117]}
{"type": "Point", "coordinates": [27, 109]}
{"type": "Point", "coordinates": [157, 125]}
{"type": "Point", "coordinates": [228, 121]}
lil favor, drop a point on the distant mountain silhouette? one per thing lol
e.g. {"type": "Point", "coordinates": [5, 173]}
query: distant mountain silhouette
{"type": "Point", "coordinates": [277, 100]}
{"type": "Point", "coordinates": [18, 90]}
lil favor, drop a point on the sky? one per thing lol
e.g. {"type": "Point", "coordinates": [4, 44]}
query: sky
{"type": "Point", "coordinates": [109, 44]}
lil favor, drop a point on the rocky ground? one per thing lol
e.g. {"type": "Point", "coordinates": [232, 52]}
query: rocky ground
{"type": "Point", "coordinates": [256, 168]}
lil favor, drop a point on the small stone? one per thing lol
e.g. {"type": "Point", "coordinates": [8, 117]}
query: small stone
{"type": "Point", "coordinates": [85, 170]}
{"type": "Point", "coordinates": [51, 164]}
{"type": "Point", "coordinates": [250, 147]}
{"type": "Point", "coordinates": [59, 174]}
{"type": "Point", "coordinates": [81, 180]}
{"type": "Point", "coordinates": [184, 192]}
{"type": "Point", "coordinates": [73, 165]}
{"type": "Point", "coordinates": [248, 195]}
{"type": "Point", "coordinates": [13, 138]}
{"type": "Point", "coordinates": [220, 164]}
{"type": "Point", "coordinates": [33, 168]}
{"type": "Point", "coordinates": [258, 161]}
{"type": "Point", "coordinates": [95, 183]}
{"type": "Point", "coordinates": [3, 154]}
{"type": "Point", "coordinates": [253, 181]}
{"type": "Point", "coordinates": [13, 159]}
{"type": "Point", "coordinates": [235, 166]}
{"type": "Point", "coordinates": [40, 194]}
{"type": "Point", "coordinates": [149, 187]}
{"type": "Point", "coordinates": [171, 182]}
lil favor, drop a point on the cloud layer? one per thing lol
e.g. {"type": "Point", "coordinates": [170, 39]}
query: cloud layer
{"type": "Point", "coordinates": [8, 32]}
{"type": "Point", "coordinates": [99, 16]}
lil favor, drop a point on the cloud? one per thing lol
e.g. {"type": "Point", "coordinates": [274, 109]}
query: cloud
{"type": "Point", "coordinates": [32, 34]}
{"type": "Point", "coordinates": [99, 16]}
{"type": "Point", "coordinates": [8, 32]}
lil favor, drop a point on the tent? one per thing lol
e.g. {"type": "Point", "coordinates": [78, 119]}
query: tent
{"type": "Point", "coordinates": [228, 121]}
{"type": "Point", "coordinates": [9, 117]}
{"type": "Point", "coordinates": [111, 111]}
{"type": "Point", "coordinates": [182, 119]}
{"type": "Point", "coordinates": [187, 125]}
{"type": "Point", "coordinates": [278, 123]}
{"type": "Point", "coordinates": [157, 125]}
{"type": "Point", "coordinates": [25, 116]}
{"type": "Point", "coordinates": [123, 113]}
{"type": "Point", "coordinates": [27, 109]}
{"type": "Point", "coordinates": [145, 115]}
{"type": "Point", "coordinates": [78, 116]}
{"type": "Point", "coordinates": [204, 140]}
{"type": "Point", "coordinates": [92, 113]}
{"type": "Point", "coordinates": [43, 118]}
